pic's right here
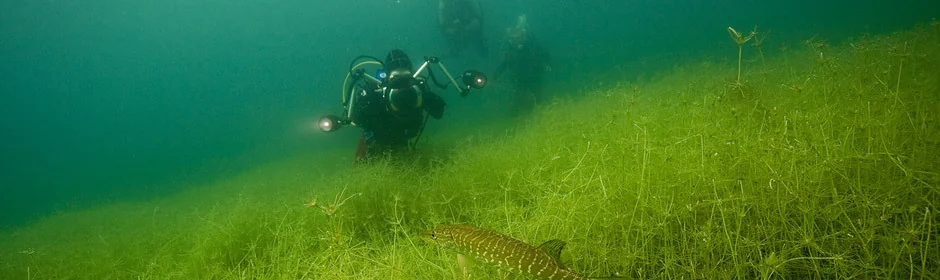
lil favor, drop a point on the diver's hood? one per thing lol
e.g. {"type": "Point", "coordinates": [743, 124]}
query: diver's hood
{"type": "Point", "coordinates": [397, 59]}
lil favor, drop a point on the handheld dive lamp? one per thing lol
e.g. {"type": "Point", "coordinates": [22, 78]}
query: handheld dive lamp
{"type": "Point", "coordinates": [474, 79]}
{"type": "Point", "coordinates": [329, 123]}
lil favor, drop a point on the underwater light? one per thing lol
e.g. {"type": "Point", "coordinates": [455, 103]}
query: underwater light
{"type": "Point", "coordinates": [329, 123]}
{"type": "Point", "coordinates": [474, 79]}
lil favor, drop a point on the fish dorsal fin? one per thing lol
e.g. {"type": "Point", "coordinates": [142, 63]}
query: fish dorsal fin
{"type": "Point", "coordinates": [553, 249]}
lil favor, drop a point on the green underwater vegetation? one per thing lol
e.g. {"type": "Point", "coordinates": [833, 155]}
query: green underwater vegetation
{"type": "Point", "coordinates": [819, 162]}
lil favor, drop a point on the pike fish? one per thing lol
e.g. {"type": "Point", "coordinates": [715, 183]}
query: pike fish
{"type": "Point", "coordinates": [492, 247]}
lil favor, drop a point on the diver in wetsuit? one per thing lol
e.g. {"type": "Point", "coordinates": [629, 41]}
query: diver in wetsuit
{"type": "Point", "coordinates": [528, 61]}
{"type": "Point", "coordinates": [393, 116]}
{"type": "Point", "coordinates": [461, 21]}
{"type": "Point", "coordinates": [393, 106]}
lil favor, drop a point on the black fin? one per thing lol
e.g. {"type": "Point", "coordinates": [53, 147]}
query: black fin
{"type": "Point", "coordinates": [553, 248]}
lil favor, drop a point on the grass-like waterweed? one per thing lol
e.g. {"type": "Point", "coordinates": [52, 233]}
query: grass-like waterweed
{"type": "Point", "coordinates": [827, 169]}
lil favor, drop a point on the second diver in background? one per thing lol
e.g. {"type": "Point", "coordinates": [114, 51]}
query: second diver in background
{"type": "Point", "coordinates": [528, 62]}
{"type": "Point", "coordinates": [461, 21]}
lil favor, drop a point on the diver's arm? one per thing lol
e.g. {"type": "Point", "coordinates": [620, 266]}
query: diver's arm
{"type": "Point", "coordinates": [368, 109]}
{"type": "Point", "coordinates": [433, 103]}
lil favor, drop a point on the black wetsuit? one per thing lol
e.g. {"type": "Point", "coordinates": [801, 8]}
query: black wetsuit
{"type": "Point", "coordinates": [385, 130]}
{"type": "Point", "coordinates": [393, 116]}
{"type": "Point", "coordinates": [528, 64]}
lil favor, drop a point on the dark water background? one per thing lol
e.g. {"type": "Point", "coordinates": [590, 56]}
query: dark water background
{"type": "Point", "coordinates": [120, 99]}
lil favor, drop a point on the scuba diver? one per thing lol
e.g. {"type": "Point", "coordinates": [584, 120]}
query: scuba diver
{"type": "Point", "coordinates": [461, 22]}
{"type": "Point", "coordinates": [528, 61]}
{"type": "Point", "coordinates": [390, 122]}
{"type": "Point", "coordinates": [392, 107]}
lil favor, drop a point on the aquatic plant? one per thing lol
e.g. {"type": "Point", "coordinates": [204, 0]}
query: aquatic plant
{"type": "Point", "coordinates": [759, 43]}
{"type": "Point", "coordinates": [831, 174]}
{"type": "Point", "coordinates": [740, 40]}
